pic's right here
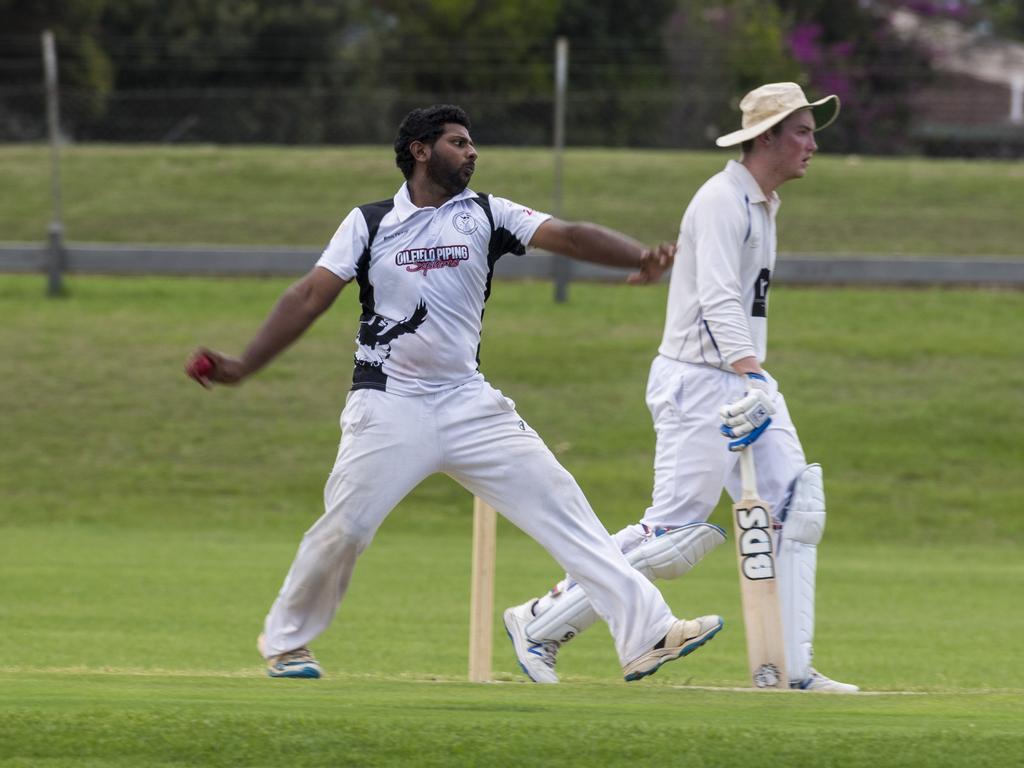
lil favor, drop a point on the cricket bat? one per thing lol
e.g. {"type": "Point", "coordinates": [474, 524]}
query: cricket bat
{"type": "Point", "coordinates": [755, 552]}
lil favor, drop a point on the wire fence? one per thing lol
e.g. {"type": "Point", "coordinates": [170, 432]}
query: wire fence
{"type": "Point", "coordinates": [286, 95]}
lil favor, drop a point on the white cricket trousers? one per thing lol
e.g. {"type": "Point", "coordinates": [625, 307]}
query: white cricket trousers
{"type": "Point", "coordinates": [391, 443]}
{"type": "Point", "coordinates": [692, 462]}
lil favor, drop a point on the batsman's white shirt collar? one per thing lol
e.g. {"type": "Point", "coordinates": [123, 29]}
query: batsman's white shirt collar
{"type": "Point", "coordinates": [746, 180]}
{"type": "Point", "coordinates": [405, 207]}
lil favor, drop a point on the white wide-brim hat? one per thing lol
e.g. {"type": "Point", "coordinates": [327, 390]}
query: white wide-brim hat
{"type": "Point", "coordinates": [770, 104]}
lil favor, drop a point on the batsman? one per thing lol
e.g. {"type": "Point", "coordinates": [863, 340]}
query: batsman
{"type": "Point", "coordinates": [706, 382]}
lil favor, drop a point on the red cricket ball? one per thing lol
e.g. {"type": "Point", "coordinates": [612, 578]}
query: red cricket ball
{"type": "Point", "coordinates": [201, 367]}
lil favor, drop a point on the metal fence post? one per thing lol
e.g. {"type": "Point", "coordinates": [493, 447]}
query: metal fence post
{"type": "Point", "coordinates": [1017, 100]}
{"type": "Point", "coordinates": [55, 232]}
{"type": "Point", "coordinates": [561, 266]}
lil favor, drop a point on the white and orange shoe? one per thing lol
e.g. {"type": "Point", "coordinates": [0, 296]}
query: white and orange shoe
{"type": "Point", "coordinates": [684, 637]}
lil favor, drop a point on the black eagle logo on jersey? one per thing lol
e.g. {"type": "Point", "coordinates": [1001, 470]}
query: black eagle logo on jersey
{"type": "Point", "coordinates": [376, 334]}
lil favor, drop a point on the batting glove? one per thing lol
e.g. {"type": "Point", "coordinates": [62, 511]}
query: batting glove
{"type": "Point", "coordinates": [746, 419]}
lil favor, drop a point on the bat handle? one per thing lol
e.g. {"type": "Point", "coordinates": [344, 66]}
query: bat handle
{"type": "Point", "coordinates": [748, 474]}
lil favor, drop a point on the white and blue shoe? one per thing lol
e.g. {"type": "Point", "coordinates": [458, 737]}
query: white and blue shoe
{"type": "Point", "coordinates": [684, 637]}
{"type": "Point", "coordinates": [818, 683]}
{"type": "Point", "coordinates": [298, 663]}
{"type": "Point", "coordinates": [537, 660]}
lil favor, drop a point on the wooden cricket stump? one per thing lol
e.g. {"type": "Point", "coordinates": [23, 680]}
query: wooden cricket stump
{"type": "Point", "coordinates": [481, 594]}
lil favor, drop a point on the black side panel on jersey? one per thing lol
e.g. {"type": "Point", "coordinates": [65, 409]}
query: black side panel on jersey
{"type": "Point", "coordinates": [761, 285]}
{"type": "Point", "coordinates": [368, 376]}
{"type": "Point", "coordinates": [373, 214]}
{"type": "Point", "coordinates": [502, 241]}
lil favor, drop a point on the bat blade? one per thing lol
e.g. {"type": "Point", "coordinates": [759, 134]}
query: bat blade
{"type": "Point", "coordinates": [755, 554]}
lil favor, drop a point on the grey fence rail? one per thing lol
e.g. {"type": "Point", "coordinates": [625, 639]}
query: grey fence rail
{"type": "Point", "coordinates": [792, 268]}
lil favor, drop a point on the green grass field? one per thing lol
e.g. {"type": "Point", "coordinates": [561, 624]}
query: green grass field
{"type": "Point", "coordinates": [297, 196]}
{"type": "Point", "coordinates": [145, 526]}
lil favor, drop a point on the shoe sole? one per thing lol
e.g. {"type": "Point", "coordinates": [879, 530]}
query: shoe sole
{"type": "Point", "coordinates": [836, 691]}
{"type": "Point", "coordinates": [522, 666]}
{"type": "Point", "coordinates": [684, 651]}
{"type": "Point", "coordinates": [307, 672]}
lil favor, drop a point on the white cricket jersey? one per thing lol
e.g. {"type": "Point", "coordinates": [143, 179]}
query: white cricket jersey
{"type": "Point", "coordinates": [718, 294]}
{"type": "Point", "coordinates": [424, 275]}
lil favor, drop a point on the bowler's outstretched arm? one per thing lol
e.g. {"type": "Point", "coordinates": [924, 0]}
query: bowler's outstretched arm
{"type": "Point", "coordinates": [299, 306]}
{"type": "Point", "coordinates": [599, 245]}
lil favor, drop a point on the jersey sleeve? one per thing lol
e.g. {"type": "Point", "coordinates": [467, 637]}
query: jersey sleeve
{"type": "Point", "coordinates": [346, 246]}
{"type": "Point", "coordinates": [719, 229]}
{"type": "Point", "coordinates": [515, 223]}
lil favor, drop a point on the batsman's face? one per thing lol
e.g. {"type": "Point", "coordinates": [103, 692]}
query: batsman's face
{"type": "Point", "coordinates": [794, 146]}
{"type": "Point", "coordinates": [452, 159]}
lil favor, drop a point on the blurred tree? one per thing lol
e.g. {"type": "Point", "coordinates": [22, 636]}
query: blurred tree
{"type": "Point", "coordinates": [850, 50]}
{"type": "Point", "coordinates": [496, 59]}
{"type": "Point", "coordinates": [719, 51]}
{"type": "Point", "coordinates": [493, 59]}
{"type": "Point", "coordinates": [243, 71]}
{"type": "Point", "coordinates": [82, 62]}
{"type": "Point", "coordinates": [642, 72]}
{"type": "Point", "coordinates": [618, 78]}
{"type": "Point", "coordinates": [755, 43]}
{"type": "Point", "coordinates": [1007, 17]}
{"type": "Point", "coordinates": [229, 70]}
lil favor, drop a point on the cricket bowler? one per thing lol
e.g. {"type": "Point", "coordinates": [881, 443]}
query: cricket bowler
{"type": "Point", "coordinates": [419, 405]}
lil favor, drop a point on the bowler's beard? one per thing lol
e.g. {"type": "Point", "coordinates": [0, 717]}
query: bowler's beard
{"type": "Point", "coordinates": [447, 177]}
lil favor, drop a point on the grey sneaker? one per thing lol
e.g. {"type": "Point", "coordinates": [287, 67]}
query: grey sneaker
{"type": "Point", "coordinates": [684, 637]}
{"type": "Point", "coordinates": [818, 683]}
{"type": "Point", "coordinates": [297, 663]}
{"type": "Point", "coordinates": [537, 660]}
